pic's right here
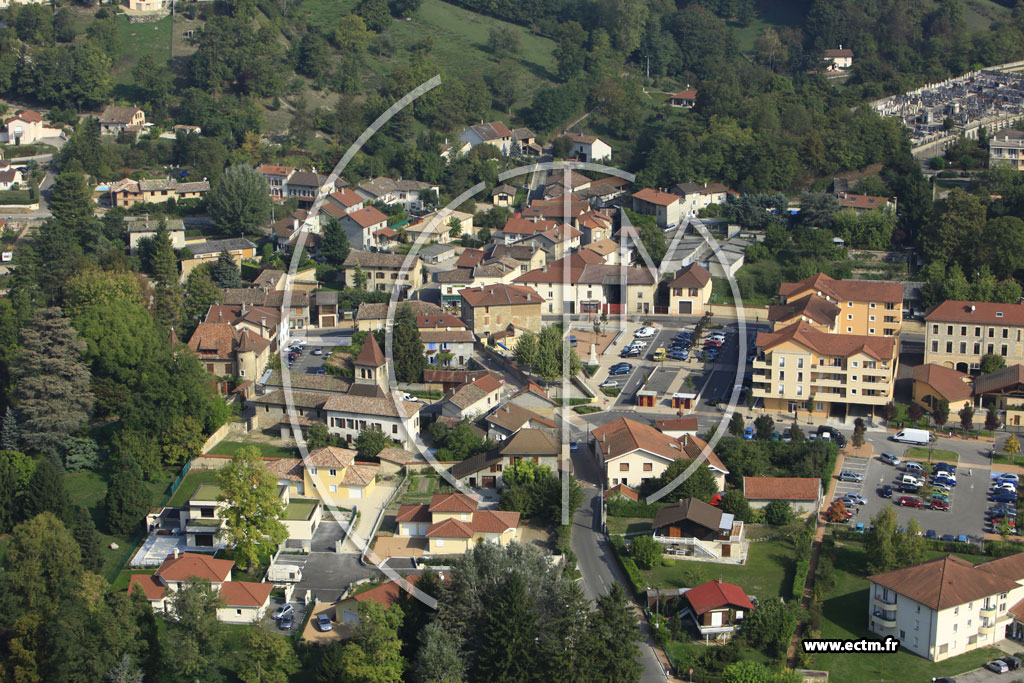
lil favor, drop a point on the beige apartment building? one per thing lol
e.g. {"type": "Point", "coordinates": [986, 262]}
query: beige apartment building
{"type": "Point", "coordinates": [384, 271]}
{"type": "Point", "coordinates": [582, 283]}
{"type": "Point", "coordinates": [802, 368]}
{"type": "Point", "coordinates": [487, 310]}
{"type": "Point", "coordinates": [947, 606]}
{"type": "Point", "coordinates": [959, 333]}
{"type": "Point", "coordinates": [858, 307]}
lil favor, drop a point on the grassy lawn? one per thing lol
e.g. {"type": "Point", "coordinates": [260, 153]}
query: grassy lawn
{"type": "Point", "coordinates": [721, 293]}
{"type": "Point", "coordinates": [627, 525]}
{"type": "Point", "coordinates": [299, 509]}
{"type": "Point", "coordinates": [846, 617]}
{"type": "Point", "coordinates": [931, 454]}
{"type": "Point", "coordinates": [193, 480]}
{"type": "Point", "coordinates": [768, 571]}
{"type": "Point", "coordinates": [266, 450]}
{"type": "Point", "coordinates": [140, 39]}
{"type": "Point", "coordinates": [89, 489]}
{"type": "Point", "coordinates": [1006, 459]}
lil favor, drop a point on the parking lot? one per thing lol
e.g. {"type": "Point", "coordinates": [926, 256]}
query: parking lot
{"type": "Point", "coordinates": [308, 362]}
{"type": "Point", "coordinates": [968, 499]}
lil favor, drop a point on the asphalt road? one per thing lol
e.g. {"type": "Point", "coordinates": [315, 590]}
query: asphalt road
{"type": "Point", "coordinates": [597, 563]}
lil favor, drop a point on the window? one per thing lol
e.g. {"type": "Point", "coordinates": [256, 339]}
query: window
{"type": "Point", "coordinates": [991, 332]}
{"type": "Point", "coordinates": [917, 624]}
{"type": "Point", "coordinates": [990, 348]}
{"type": "Point", "coordinates": [648, 467]}
{"type": "Point", "coordinates": [1003, 350]}
{"type": "Point", "coordinates": [977, 331]}
{"type": "Point", "coordinates": [799, 377]}
{"type": "Point", "coordinates": [799, 362]}
{"type": "Point", "coordinates": [799, 391]}
{"type": "Point", "coordinates": [782, 375]}
{"type": "Point", "coordinates": [935, 347]}
{"type": "Point", "coordinates": [872, 304]}
{"type": "Point", "coordinates": [623, 467]}
{"type": "Point", "coordinates": [977, 349]}
{"type": "Point", "coordinates": [440, 544]}
{"type": "Point", "coordinates": [871, 331]}
{"type": "Point", "coordinates": [854, 363]}
{"type": "Point", "coordinates": [956, 610]}
{"type": "Point", "coordinates": [849, 329]}
{"type": "Point", "coordinates": [871, 318]}
{"type": "Point", "coordinates": [238, 611]}
{"type": "Point", "coordinates": [849, 304]}
{"type": "Point", "coordinates": [334, 473]}
{"type": "Point", "coordinates": [963, 347]}
{"type": "Point", "coordinates": [394, 429]}
{"type": "Point", "coordinates": [935, 329]}
{"type": "Point", "coordinates": [949, 329]}
{"type": "Point", "coordinates": [333, 488]}
{"type": "Point", "coordinates": [949, 347]}
{"type": "Point", "coordinates": [849, 316]}
{"type": "Point", "coordinates": [782, 361]}
{"type": "Point", "coordinates": [312, 470]}
{"type": "Point", "coordinates": [963, 330]}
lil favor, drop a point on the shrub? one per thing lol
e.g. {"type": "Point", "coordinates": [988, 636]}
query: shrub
{"type": "Point", "coordinates": [778, 513]}
{"type": "Point", "coordinates": [646, 551]}
{"type": "Point", "coordinates": [624, 507]}
{"type": "Point", "coordinates": [636, 579]}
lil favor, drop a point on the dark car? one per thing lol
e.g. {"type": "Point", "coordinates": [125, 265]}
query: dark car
{"type": "Point", "coordinates": [908, 488]}
{"type": "Point", "coordinates": [948, 538]}
{"type": "Point", "coordinates": [629, 353]}
{"type": "Point", "coordinates": [909, 502]}
{"type": "Point", "coordinates": [1012, 662]}
{"type": "Point", "coordinates": [621, 370]}
{"type": "Point", "coordinates": [931, 534]}
{"type": "Point", "coordinates": [885, 491]}
{"type": "Point", "coordinates": [834, 434]}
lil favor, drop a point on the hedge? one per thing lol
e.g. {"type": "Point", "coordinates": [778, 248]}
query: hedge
{"type": "Point", "coordinates": [800, 579]}
{"type": "Point", "coordinates": [624, 507]}
{"type": "Point", "coordinates": [628, 565]}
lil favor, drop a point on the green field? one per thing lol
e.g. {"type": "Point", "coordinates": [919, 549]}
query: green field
{"type": "Point", "coordinates": [845, 611]}
{"type": "Point", "coordinates": [140, 39]}
{"type": "Point", "coordinates": [627, 525]}
{"type": "Point", "coordinates": [933, 454]}
{"type": "Point", "coordinates": [266, 450]}
{"type": "Point", "coordinates": [768, 571]}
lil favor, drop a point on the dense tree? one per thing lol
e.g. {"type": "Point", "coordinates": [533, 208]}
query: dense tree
{"type": "Point", "coordinates": [778, 513]}
{"type": "Point", "coordinates": [645, 550]}
{"type": "Point", "coordinates": [200, 294]}
{"type": "Point", "coordinates": [701, 484]}
{"type": "Point", "coordinates": [992, 420]}
{"type": "Point", "coordinates": [197, 636]}
{"type": "Point", "coordinates": [966, 417]}
{"type": "Point", "coordinates": [79, 453]}
{"type": "Point", "coordinates": [374, 13]}
{"type": "Point", "coordinates": [737, 425]}
{"type": "Point", "coordinates": [940, 413]}
{"type": "Point", "coordinates": [240, 203]}
{"type": "Point", "coordinates": [525, 350]}
{"type": "Point", "coordinates": [153, 82]}
{"type": "Point", "coordinates": [225, 272]}
{"type": "Point", "coordinates": [509, 632]}
{"type": "Point", "coordinates": [407, 346]}
{"type": "Point", "coordinates": [438, 659]}
{"type": "Point", "coordinates": [370, 442]}
{"type": "Point", "coordinates": [374, 655]}
{"type": "Point", "coordinates": [771, 625]}
{"type": "Point", "coordinates": [84, 530]}
{"type": "Point", "coordinates": [549, 363]}
{"type": "Point", "coordinates": [335, 247]}
{"type": "Point", "coordinates": [254, 510]}
{"type": "Point", "coordinates": [764, 425]}
{"type": "Point", "coordinates": [9, 434]}
{"type": "Point", "coordinates": [128, 499]}
{"type": "Point", "coordinates": [991, 362]}
{"type": "Point", "coordinates": [71, 201]}
{"type": "Point", "coordinates": [267, 658]}
{"type": "Point", "coordinates": [46, 493]}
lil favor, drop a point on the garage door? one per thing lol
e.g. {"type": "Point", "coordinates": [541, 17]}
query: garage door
{"type": "Point", "coordinates": [489, 482]}
{"type": "Point", "coordinates": [355, 492]}
{"type": "Point", "coordinates": [685, 307]}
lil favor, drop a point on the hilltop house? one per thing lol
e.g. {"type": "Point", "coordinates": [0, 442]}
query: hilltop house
{"type": "Point", "coordinates": [666, 207]}
{"type": "Point", "coordinates": [24, 128]}
{"type": "Point", "coordinates": [495, 133]}
{"type": "Point", "coordinates": [684, 99]}
{"type": "Point", "coordinates": [115, 120]}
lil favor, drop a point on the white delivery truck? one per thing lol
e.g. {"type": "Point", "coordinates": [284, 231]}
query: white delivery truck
{"type": "Point", "coordinates": [917, 436]}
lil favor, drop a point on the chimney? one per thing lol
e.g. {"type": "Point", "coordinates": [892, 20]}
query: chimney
{"type": "Point", "coordinates": [177, 553]}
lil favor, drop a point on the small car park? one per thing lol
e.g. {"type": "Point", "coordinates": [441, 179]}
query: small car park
{"type": "Point", "coordinates": [854, 499]}
{"type": "Point", "coordinates": [286, 622]}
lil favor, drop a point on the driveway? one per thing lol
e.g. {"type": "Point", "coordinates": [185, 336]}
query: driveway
{"type": "Point", "coordinates": [369, 507]}
{"type": "Point", "coordinates": [326, 575]}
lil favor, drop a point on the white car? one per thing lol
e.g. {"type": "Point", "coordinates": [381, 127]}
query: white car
{"type": "Point", "coordinates": [299, 342]}
{"type": "Point", "coordinates": [637, 344]}
{"type": "Point", "coordinates": [645, 332]}
{"type": "Point", "coordinates": [608, 383]}
{"type": "Point", "coordinates": [410, 398]}
{"type": "Point", "coordinates": [1008, 476]}
{"type": "Point", "coordinates": [1005, 486]}
{"type": "Point", "coordinates": [942, 487]}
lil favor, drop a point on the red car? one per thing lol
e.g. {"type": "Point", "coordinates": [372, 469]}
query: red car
{"type": "Point", "coordinates": [909, 502]}
{"type": "Point", "coordinates": [940, 505]}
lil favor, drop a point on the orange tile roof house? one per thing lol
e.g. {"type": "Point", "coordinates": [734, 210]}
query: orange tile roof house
{"type": "Point", "coordinates": [717, 608]}
{"type": "Point", "coordinates": [945, 607]}
{"type": "Point", "coordinates": [452, 523]}
{"type": "Point", "coordinates": [633, 452]}
{"type": "Point", "coordinates": [277, 180]}
{"type": "Point", "coordinates": [934, 383]}
{"type": "Point", "coordinates": [959, 333]}
{"type": "Point", "coordinates": [224, 349]}
{"type": "Point", "coordinates": [863, 202]}
{"type": "Point", "coordinates": [802, 493]}
{"type": "Point", "coordinates": [690, 291]}
{"type": "Point", "coordinates": [244, 602]}
{"type": "Point", "coordinates": [473, 398]}
{"type": "Point", "coordinates": [683, 98]}
{"type": "Point", "coordinates": [490, 309]}
{"type": "Point", "coordinates": [869, 307]}
{"type": "Point", "coordinates": [384, 271]}
{"type": "Point", "coordinates": [116, 120]}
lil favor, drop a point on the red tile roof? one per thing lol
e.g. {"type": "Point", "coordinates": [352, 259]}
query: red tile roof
{"type": "Point", "coordinates": [781, 488]}
{"type": "Point", "coordinates": [846, 345]}
{"type": "Point", "coordinates": [387, 593]}
{"type": "Point", "coordinates": [845, 52]}
{"type": "Point", "coordinates": [944, 582]}
{"type": "Point", "coordinates": [624, 435]}
{"type": "Point", "coordinates": [367, 216]}
{"type": "Point", "coordinates": [845, 290]}
{"type": "Point", "coordinates": [245, 593]}
{"type": "Point", "coordinates": [187, 565]}
{"type": "Point", "coordinates": [679, 424]}
{"type": "Point", "coordinates": [980, 312]}
{"type": "Point", "coordinates": [29, 115]}
{"type": "Point", "coordinates": [331, 456]}
{"type": "Point", "coordinates": [452, 502]}
{"type": "Point", "coordinates": [371, 354]}
{"type": "Point", "coordinates": [413, 513]}
{"type": "Point", "coordinates": [470, 258]}
{"type": "Point", "coordinates": [652, 196]}
{"type": "Point", "coordinates": [716, 594]}
{"type": "Point", "coordinates": [450, 528]}
{"type": "Point", "coordinates": [693, 275]}
{"type": "Point", "coordinates": [501, 295]}
{"type": "Point", "coordinates": [151, 585]}
{"type": "Point", "coordinates": [861, 201]}
{"type": "Point", "coordinates": [685, 95]}
{"type": "Point", "coordinates": [268, 169]}
{"type": "Point", "coordinates": [812, 307]}
{"type": "Point", "coordinates": [948, 383]}
{"type": "Point", "coordinates": [346, 197]}
{"type": "Point", "coordinates": [622, 490]}
{"type": "Point", "coordinates": [494, 521]}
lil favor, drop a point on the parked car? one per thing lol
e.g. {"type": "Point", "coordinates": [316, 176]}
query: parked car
{"type": "Point", "coordinates": [908, 488]}
{"type": "Point", "coordinates": [787, 435]}
{"type": "Point", "coordinates": [938, 495]}
{"type": "Point", "coordinates": [909, 502]}
{"type": "Point", "coordinates": [677, 355]}
{"type": "Point", "coordinates": [945, 466]}
{"type": "Point", "coordinates": [659, 355]}
{"type": "Point", "coordinates": [944, 480]}
{"type": "Point", "coordinates": [645, 332]}
{"type": "Point", "coordinates": [621, 369]}
{"type": "Point", "coordinates": [1012, 662]}
{"type": "Point", "coordinates": [637, 344]}
{"type": "Point", "coordinates": [629, 353]}
{"type": "Point", "coordinates": [889, 458]}
{"type": "Point", "coordinates": [854, 499]}
{"type": "Point", "coordinates": [931, 534]}
{"type": "Point", "coordinates": [608, 383]}
{"type": "Point", "coordinates": [998, 666]}
{"type": "Point", "coordinates": [286, 623]}
{"type": "Point", "coordinates": [410, 398]}
{"type": "Point", "coordinates": [911, 479]}
{"type": "Point", "coordinates": [574, 446]}
{"type": "Point", "coordinates": [885, 491]}
{"type": "Point", "coordinates": [941, 487]}
{"type": "Point", "coordinates": [834, 434]}
{"type": "Point", "coordinates": [323, 622]}
{"type": "Point", "coordinates": [318, 351]}
{"type": "Point", "coordinates": [1003, 497]}
{"type": "Point", "coordinates": [938, 504]}
{"type": "Point", "coordinates": [1004, 486]}
{"type": "Point", "coordinates": [1002, 509]}
{"type": "Point", "coordinates": [1008, 476]}
{"type": "Point", "coordinates": [283, 611]}
{"type": "Point", "coordinates": [847, 475]}
{"type": "Point", "coordinates": [913, 468]}
{"type": "Point", "coordinates": [748, 433]}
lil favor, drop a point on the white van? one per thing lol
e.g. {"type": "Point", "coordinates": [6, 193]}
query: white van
{"type": "Point", "coordinates": [922, 437]}
{"type": "Point", "coordinates": [910, 479]}
{"type": "Point", "coordinates": [913, 468]}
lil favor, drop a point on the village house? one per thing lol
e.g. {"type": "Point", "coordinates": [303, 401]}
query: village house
{"type": "Point", "coordinates": [948, 606]}
{"type": "Point", "coordinates": [438, 227]}
{"type": "Point", "coordinates": [527, 258]}
{"type": "Point", "coordinates": [556, 210]}
{"type": "Point", "coordinates": [374, 316]}
{"type": "Point", "coordinates": [145, 5]}
{"type": "Point", "coordinates": [595, 226]}
{"type": "Point", "coordinates": [677, 427]}
{"type": "Point", "coordinates": [287, 231]}
{"type": "Point", "coordinates": [589, 148]}
{"type": "Point", "coordinates": [684, 99]}
{"type": "Point", "coordinates": [508, 418]}
{"type": "Point", "coordinates": [700, 196]}
{"type": "Point", "coordinates": [838, 59]}
{"type": "Point", "coordinates": [690, 292]}
{"type": "Point", "coordinates": [485, 470]}
{"type": "Point", "coordinates": [242, 602]}
{"type": "Point", "coordinates": [666, 207]}
{"type": "Point", "coordinates": [632, 452]}
{"type": "Point", "coordinates": [227, 351]}
{"type": "Point", "coordinates": [277, 179]}
{"type": "Point", "coordinates": [503, 195]}
{"type": "Point", "coordinates": [583, 284]}
{"type": "Point", "coordinates": [495, 133]}
{"type": "Point", "coordinates": [486, 310]}
{"type": "Point", "coordinates": [959, 333]}
{"type": "Point", "coordinates": [10, 179]}
{"type": "Point", "coordinates": [863, 202]}
{"type": "Point", "coordinates": [803, 494]}
{"type": "Point", "coordinates": [24, 128]}
{"type": "Point", "coordinates": [115, 120]}
{"type": "Point", "coordinates": [297, 314]}
{"type": "Point", "coordinates": [239, 248]}
{"type": "Point", "coordinates": [1004, 149]}
{"type": "Point", "coordinates": [453, 523]}
{"type": "Point", "coordinates": [304, 186]}
{"type": "Point", "coordinates": [474, 398]}
{"type": "Point", "coordinates": [448, 347]}
{"type": "Point", "coordinates": [716, 608]}
{"type": "Point", "coordinates": [555, 242]}
{"type": "Point", "coordinates": [694, 528]}
{"type": "Point", "coordinates": [127, 192]}
{"type": "Point", "coordinates": [261, 320]}
{"type": "Point", "coordinates": [361, 224]}
{"type": "Point", "coordinates": [384, 271]}
{"type": "Point", "coordinates": [411, 195]}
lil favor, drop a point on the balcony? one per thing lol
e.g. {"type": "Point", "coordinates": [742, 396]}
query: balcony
{"type": "Point", "coordinates": [881, 604]}
{"type": "Point", "coordinates": [885, 620]}
{"type": "Point", "coordinates": [825, 367]}
{"type": "Point", "coordinates": [988, 612]}
{"type": "Point", "coordinates": [828, 382]}
{"type": "Point", "coordinates": [203, 526]}
{"type": "Point", "coordinates": [761, 364]}
{"type": "Point", "coordinates": [987, 629]}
